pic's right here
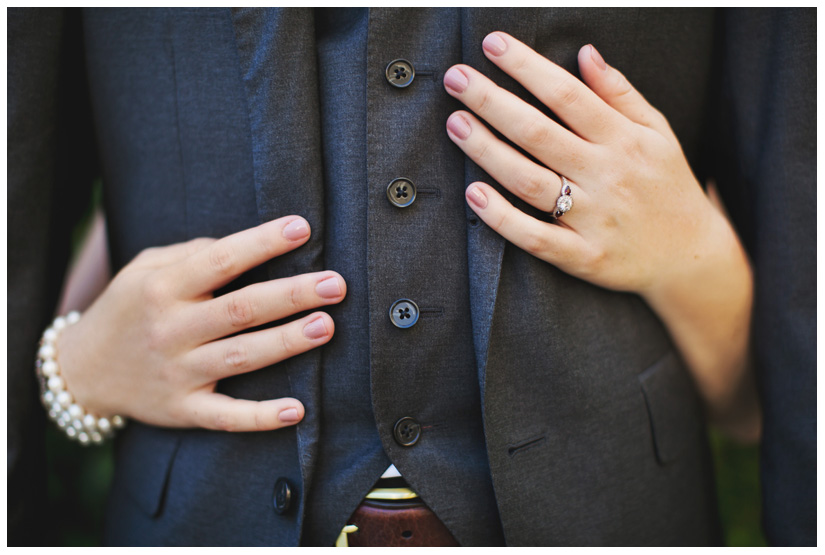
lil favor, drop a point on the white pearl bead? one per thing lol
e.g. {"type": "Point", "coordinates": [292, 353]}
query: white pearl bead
{"type": "Point", "coordinates": [83, 438]}
{"type": "Point", "coordinates": [71, 432]}
{"type": "Point", "coordinates": [96, 437]}
{"type": "Point", "coordinates": [62, 423]}
{"type": "Point", "coordinates": [53, 414]}
{"type": "Point", "coordinates": [48, 398]}
{"type": "Point", "coordinates": [76, 410]}
{"type": "Point", "coordinates": [118, 422]}
{"type": "Point", "coordinates": [47, 351]}
{"type": "Point", "coordinates": [72, 317]}
{"type": "Point", "coordinates": [56, 408]}
{"type": "Point", "coordinates": [55, 383]}
{"type": "Point", "coordinates": [64, 398]}
{"type": "Point", "coordinates": [50, 335]}
{"type": "Point", "coordinates": [59, 323]}
{"type": "Point", "coordinates": [104, 425]}
{"type": "Point", "coordinates": [90, 422]}
{"type": "Point", "coordinates": [66, 416]}
{"type": "Point", "coordinates": [77, 424]}
{"type": "Point", "coordinates": [49, 368]}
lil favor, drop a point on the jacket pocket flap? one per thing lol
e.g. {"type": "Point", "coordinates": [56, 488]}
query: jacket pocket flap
{"type": "Point", "coordinates": [672, 404]}
{"type": "Point", "coordinates": [145, 459]}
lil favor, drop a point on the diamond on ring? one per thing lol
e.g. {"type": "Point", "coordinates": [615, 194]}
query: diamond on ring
{"type": "Point", "coordinates": [565, 201]}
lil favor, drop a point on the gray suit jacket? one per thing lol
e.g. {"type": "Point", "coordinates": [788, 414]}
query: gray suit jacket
{"type": "Point", "coordinates": [207, 123]}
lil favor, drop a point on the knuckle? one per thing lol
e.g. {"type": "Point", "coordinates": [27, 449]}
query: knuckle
{"type": "Point", "coordinates": [480, 150]}
{"type": "Point", "coordinates": [262, 423]}
{"type": "Point", "coordinates": [535, 132]}
{"type": "Point", "coordinates": [567, 92]}
{"type": "Point", "coordinates": [632, 146]}
{"type": "Point", "coordinates": [535, 243]}
{"type": "Point", "coordinates": [621, 86]}
{"type": "Point", "coordinates": [225, 422]}
{"type": "Point", "coordinates": [520, 64]}
{"type": "Point", "coordinates": [221, 260]}
{"type": "Point", "coordinates": [155, 290]}
{"type": "Point", "coordinates": [266, 242]}
{"type": "Point", "coordinates": [240, 310]}
{"type": "Point", "coordinates": [158, 338]}
{"type": "Point", "coordinates": [288, 343]}
{"type": "Point", "coordinates": [485, 101]}
{"type": "Point", "coordinates": [146, 255]}
{"type": "Point", "coordinates": [294, 297]}
{"type": "Point", "coordinates": [194, 245]}
{"type": "Point", "coordinates": [530, 185]}
{"type": "Point", "coordinates": [236, 358]}
{"type": "Point", "coordinates": [596, 260]}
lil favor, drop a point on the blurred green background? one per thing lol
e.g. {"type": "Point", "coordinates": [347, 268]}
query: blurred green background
{"type": "Point", "coordinates": [79, 477]}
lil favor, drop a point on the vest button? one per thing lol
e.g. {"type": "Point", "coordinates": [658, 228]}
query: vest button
{"type": "Point", "coordinates": [400, 73]}
{"type": "Point", "coordinates": [404, 313]}
{"type": "Point", "coordinates": [401, 192]}
{"type": "Point", "coordinates": [407, 431]}
{"type": "Point", "coordinates": [283, 496]}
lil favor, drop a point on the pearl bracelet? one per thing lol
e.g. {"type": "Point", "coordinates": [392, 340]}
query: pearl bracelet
{"type": "Point", "coordinates": [74, 420]}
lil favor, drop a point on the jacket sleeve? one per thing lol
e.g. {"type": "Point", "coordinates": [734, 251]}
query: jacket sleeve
{"type": "Point", "coordinates": [766, 170]}
{"type": "Point", "coordinates": [50, 165]}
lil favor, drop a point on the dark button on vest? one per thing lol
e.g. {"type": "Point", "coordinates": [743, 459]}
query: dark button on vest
{"type": "Point", "coordinates": [407, 431]}
{"type": "Point", "coordinates": [404, 313]}
{"type": "Point", "coordinates": [400, 73]}
{"type": "Point", "coordinates": [401, 192]}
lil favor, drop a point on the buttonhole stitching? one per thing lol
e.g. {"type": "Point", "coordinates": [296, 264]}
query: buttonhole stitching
{"type": "Point", "coordinates": [514, 450]}
{"type": "Point", "coordinates": [431, 312]}
{"type": "Point", "coordinates": [428, 192]}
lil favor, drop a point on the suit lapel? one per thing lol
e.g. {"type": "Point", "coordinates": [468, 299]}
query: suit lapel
{"type": "Point", "coordinates": [278, 62]}
{"type": "Point", "coordinates": [485, 248]}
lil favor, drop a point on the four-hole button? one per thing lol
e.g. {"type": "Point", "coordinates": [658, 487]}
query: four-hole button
{"type": "Point", "coordinates": [400, 73]}
{"type": "Point", "coordinates": [404, 313]}
{"type": "Point", "coordinates": [401, 192]}
{"type": "Point", "coordinates": [407, 431]}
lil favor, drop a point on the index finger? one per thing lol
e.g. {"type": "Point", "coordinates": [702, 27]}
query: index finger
{"type": "Point", "coordinates": [573, 101]}
{"type": "Point", "coordinates": [219, 263]}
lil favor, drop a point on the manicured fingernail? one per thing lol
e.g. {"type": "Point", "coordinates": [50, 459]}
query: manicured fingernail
{"type": "Point", "coordinates": [296, 229]}
{"type": "Point", "coordinates": [288, 416]}
{"type": "Point", "coordinates": [459, 125]}
{"type": "Point", "coordinates": [476, 197]}
{"type": "Point", "coordinates": [455, 80]}
{"type": "Point", "coordinates": [597, 58]}
{"type": "Point", "coordinates": [494, 44]}
{"type": "Point", "coordinates": [315, 329]}
{"type": "Point", "coordinates": [329, 288]}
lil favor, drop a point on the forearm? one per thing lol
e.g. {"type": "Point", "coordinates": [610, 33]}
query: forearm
{"type": "Point", "coordinates": [706, 306]}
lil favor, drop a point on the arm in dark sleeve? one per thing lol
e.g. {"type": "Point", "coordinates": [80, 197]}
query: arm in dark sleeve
{"type": "Point", "coordinates": [766, 169]}
{"type": "Point", "coordinates": [49, 176]}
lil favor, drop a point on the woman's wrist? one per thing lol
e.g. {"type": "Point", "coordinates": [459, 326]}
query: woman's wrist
{"type": "Point", "coordinates": [76, 420]}
{"type": "Point", "coordinates": [706, 302]}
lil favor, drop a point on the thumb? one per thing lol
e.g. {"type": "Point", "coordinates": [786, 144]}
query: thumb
{"type": "Point", "coordinates": [616, 90]}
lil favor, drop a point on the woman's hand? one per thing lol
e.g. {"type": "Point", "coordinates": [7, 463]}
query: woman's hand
{"type": "Point", "coordinates": [153, 346]}
{"type": "Point", "coordinates": [640, 222]}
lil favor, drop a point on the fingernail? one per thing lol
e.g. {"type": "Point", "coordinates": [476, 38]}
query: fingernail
{"type": "Point", "coordinates": [289, 416]}
{"type": "Point", "coordinates": [459, 125]}
{"type": "Point", "coordinates": [597, 58]}
{"type": "Point", "coordinates": [315, 329]}
{"type": "Point", "coordinates": [296, 229]}
{"type": "Point", "coordinates": [455, 80]}
{"type": "Point", "coordinates": [494, 44]}
{"type": "Point", "coordinates": [476, 197]}
{"type": "Point", "coordinates": [329, 288]}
